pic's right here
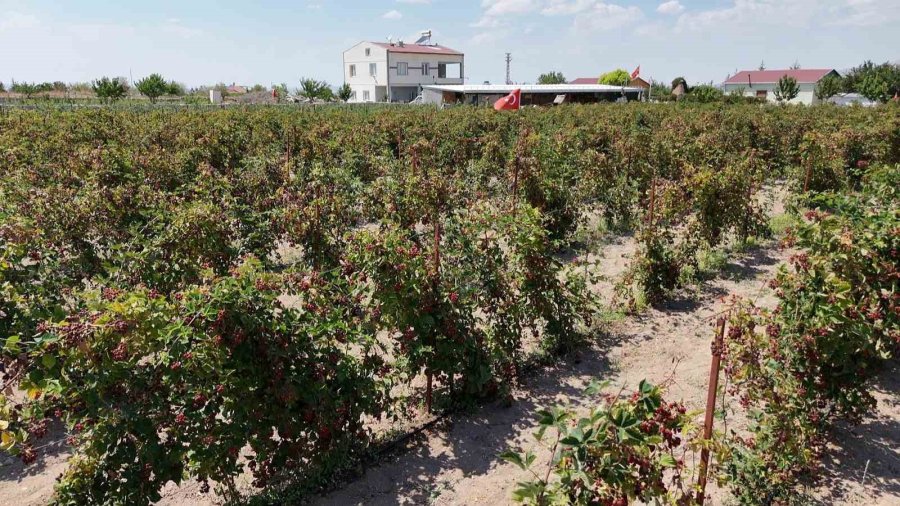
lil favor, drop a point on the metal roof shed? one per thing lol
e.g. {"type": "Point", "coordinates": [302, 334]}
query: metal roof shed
{"type": "Point", "coordinates": [532, 94]}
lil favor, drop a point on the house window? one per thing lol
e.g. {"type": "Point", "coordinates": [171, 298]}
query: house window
{"type": "Point", "coordinates": [352, 70]}
{"type": "Point", "coordinates": [442, 70]}
{"type": "Point", "coordinates": [402, 68]}
{"type": "Point", "coordinates": [762, 93]}
{"type": "Point", "coordinates": [425, 70]}
{"type": "Point", "coordinates": [353, 96]}
{"type": "Point", "coordinates": [373, 69]}
{"type": "Point", "coordinates": [366, 96]}
{"type": "Point", "coordinates": [368, 51]}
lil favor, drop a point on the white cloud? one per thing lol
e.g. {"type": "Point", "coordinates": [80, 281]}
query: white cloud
{"type": "Point", "coordinates": [393, 14]}
{"type": "Point", "coordinates": [18, 21]}
{"type": "Point", "coordinates": [506, 7]}
{"type": "Point", "coordinates": [603, 16]}
{"type": "Point", "coordinates": [566, 7]}
{"type": "Point", "coordinates": [671, 7]}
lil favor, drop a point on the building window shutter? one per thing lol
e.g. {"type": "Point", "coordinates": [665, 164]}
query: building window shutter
{"type": "Point", "coordinates": [352, 70]}
{"type": "Point", "coordinates": [373, 69]}
{"type": "Point", "coordinates": [402, 69]}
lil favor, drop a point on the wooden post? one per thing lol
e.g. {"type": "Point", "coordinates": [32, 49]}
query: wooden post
{"type": "Point", "coordinates": [710, 407]}
{"type": "Point", "coordinates": [806, 180]}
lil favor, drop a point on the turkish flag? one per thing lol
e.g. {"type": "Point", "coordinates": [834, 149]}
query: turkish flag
{"type": "Point", "coordinates": [510, 102]}
{"type": "Point", "coordinates": [636, 72]}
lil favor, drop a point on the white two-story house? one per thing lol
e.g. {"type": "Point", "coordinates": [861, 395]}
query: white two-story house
{"type": "Point", "coordinates": [395, 72]}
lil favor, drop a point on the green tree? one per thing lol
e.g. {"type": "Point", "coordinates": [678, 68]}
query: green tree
{"type": "Point", "coordinates": [854, 76]}
{"type": "Point", "coordinates": [881, 83]}
{"type": "Point", "coordinates": [25, 88]}
{"type": "Point", "coordinates": [828, 87]}
{"type": "Point", "coordinates": [618, 77]}
{"type": "Point", "coordinates": [345, 92]}
{"type": "Point", "coordinates": [704, 94]}
{"type": "Point", "coordinates": [2, 88]}
{"type": "Point", "coordinates": [257, 88]}
{"type": "Point", "coordinates": [153, 87]}
{"type": "Point", "coordinates": [660, 90]}
{"type": "Point", "coordinates": [174, 88]}
{"type": "Point", "coordinates": [786, 89]}
{"type": "Point", "coordinates": [327, 94]}
{"type": "Point", "coordinates": [312, 89]}
{"type": "Point", "coordinates": [108, 90]}
{"type": "Point", "coordinates": [552, 77]}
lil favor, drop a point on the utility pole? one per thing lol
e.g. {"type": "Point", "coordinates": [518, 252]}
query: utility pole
{"type": "Point", "coordinates": [508, 60]}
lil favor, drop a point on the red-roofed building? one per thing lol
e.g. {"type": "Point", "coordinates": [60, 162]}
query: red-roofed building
{"type": "Point", "coordinates": [762, 83]}
{"type": "Point", "coordinates": [396, 72]}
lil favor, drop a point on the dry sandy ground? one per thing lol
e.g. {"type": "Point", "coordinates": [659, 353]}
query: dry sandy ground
{"type": "Point", "coordinates": [456, 463]}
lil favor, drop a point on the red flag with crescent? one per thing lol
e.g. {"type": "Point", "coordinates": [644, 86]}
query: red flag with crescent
{"type": "Point", "coordinates": [510, 102]}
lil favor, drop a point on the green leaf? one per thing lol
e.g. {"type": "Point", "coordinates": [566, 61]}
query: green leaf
{"type": "Point", "coordinates": [12, 344]}
{"type": "Point", "coordinates": [514, 458]}
{"type": "Point", "coordinates": [667, 460]}
{"type": "Point", "coordinates": [48, 361]}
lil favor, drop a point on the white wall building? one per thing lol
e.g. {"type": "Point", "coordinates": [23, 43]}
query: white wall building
{"type": "Point", "coordinates": [762, 83]}
{"type": "Point", "coordinates": [396, 72]}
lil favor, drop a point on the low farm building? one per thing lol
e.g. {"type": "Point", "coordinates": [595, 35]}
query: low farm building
{"type": "Point", "coordinates": [762, 83]}
{"type": "Point", "coordinates": [532, 94]}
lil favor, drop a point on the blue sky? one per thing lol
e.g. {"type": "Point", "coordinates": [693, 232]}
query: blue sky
{"type": "Point", "coordinates": [204, 42]}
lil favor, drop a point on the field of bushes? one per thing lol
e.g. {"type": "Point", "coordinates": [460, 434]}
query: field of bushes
{"type": "Point", "coordinates": [207, 293]}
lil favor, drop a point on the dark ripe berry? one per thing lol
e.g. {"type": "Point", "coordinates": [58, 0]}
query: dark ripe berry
{"type": "Point", "coordinates": [180, 418]}
{"type": "Point", "coordinates": [78, 427]}
{"type": "Point", "coordinates": [28, 455]}
{"type": "Point", "coordinates": [120, 352]}
{"type": "Point", "coordinates": [220, 389]}
{"type": "Point", "coordinates": [454, 297]}
{"type": "Point", "coordinates": [58, 413]}
{"type": "Point", "coordinates": [175, 366]}
{"type": "Point", "coordinates": [324, 433]}
{"type": "Point", "coordinates": [187, 355]}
